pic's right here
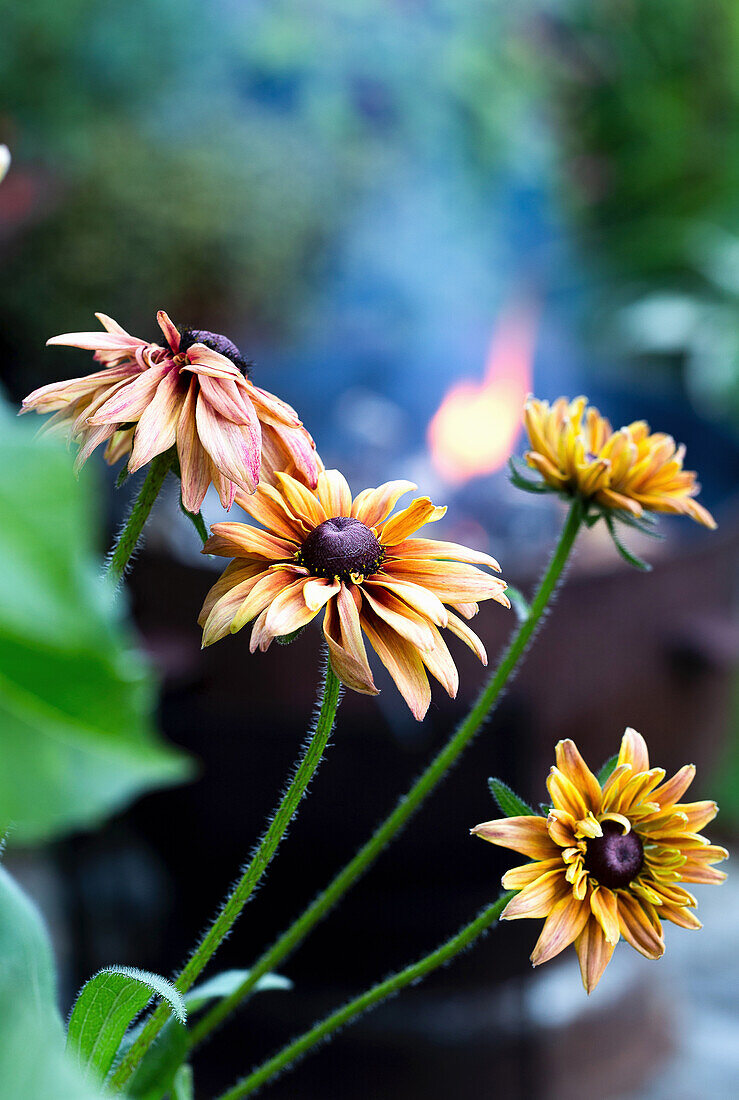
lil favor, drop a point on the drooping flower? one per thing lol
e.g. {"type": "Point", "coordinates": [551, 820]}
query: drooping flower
{"type": "Point", "coordinates": [608, 860]}
{"type": "Point", "coordinates": [326, 551]}
{"type": "Point", "coordinates": [192, 393]}
{"type": "Point", "coordinates": [631, 470]}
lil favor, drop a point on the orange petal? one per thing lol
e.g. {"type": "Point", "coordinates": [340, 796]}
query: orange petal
{"type": "Point", "coordinates": [438, 661]}
{"type": "Point", "coordinates": [452, 582]}
{"type": "Point", "coordinates": [539, 898]}
{"type": "Point", "coordinates": [403, 524]}
{"type": "Point", "coordinates": [563, 925]}
{"type": "Point", "coordinates": [302, 502]}
{"type": "Point", "coordinates": [634, 751]}
{"type": "Point", "coordinates": [448, 551]}
{"type": "Point", "coordinates": [234, 573]}
{"type": "Point", "coordinates": [699, 814]}
{"type": "Point", "coordinates": [267, 589]}
{"type": "Point", "coordinates": [319, 590]}
{"type": "Point", "coordinates": [671, 791]}
{"type": "Point", "coordinates": [594, 953]}
{"type": "Point", "coordinates": [460, 628]}
{"type": "Point", "coordinates": [572, 765]}
{"type": "Point", "coordinates": [288, 611]}
{"type": "Point", "coordinates": [605, 910]}
{"type": "Point", "coordinates": [334, 494]}
{"type": "Point", "coordinates": [518, 877]}
{"type": "Point", "coordinates": [637, 923]}
{"type": "Point", "coordinates": [403, 662]}
{"type": "Point", "coordinates": [220, 618]}
{"type": "Point", "coordinates": [679, 915]}
{"type": "Point", "coordinates": [398, 615]}
{"type": "Point", "coordinates": [253, 541]}
{"type": "Point", "coordinates": [351, 670]}
{"type": "Point", "coordinates": [420, 599]}
{"type": "Point", "coordinates": [372, 506]}
{"type": "Point", "coordinates": [561, 828]}
{"type": "Point", "coordinates": [565, 795]}
{"type": "Point", "coordinates": [527, 835]}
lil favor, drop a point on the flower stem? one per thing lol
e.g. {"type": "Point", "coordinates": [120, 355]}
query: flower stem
{"type": "Point", "coordinates": [423, 786]}
{"type": "Point", "coordinates": [371, 997]}
{"type": "Point", "coordinates": [243, 890]}
{"type": "Point", "coordinates": [134, 525]}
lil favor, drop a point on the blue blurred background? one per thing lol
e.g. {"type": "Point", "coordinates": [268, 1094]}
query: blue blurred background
{"type": "Point", "coordinates": [409, 214]}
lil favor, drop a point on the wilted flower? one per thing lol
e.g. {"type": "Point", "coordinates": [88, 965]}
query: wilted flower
{"type": "Point", "coordinates": [323, 549]}
{"type": "Point", "coordinates": [193, 393]}
{"type": "Point", "coordinates": [608, 859]}
{"type": "Point", "coordinates": [632, 470]}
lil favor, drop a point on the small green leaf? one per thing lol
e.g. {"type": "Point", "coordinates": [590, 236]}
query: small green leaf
{"type": "Point", "coordinates": [105, 1008]}
{"type": "Point", "coordinates": [196, 519]}
{"type": "Point", "coordinates": [628, 557]}
{"type": "Point", "coordinates": [519, 603]}
{"type": "Point", "coordinates": [286, 639]}
{"type": "Point", "coordinates": [182, 1086]}
{"type": "Point", "coordinates": [226, 983]}
{"type": "Point", "coordinates": [607, 768]}
{"type": "Point", "coordinates": [508, 801]}
{"type": "Point", "coordinates": [517, 478]}
{"type": "Point", "coordinates": [122, 477]}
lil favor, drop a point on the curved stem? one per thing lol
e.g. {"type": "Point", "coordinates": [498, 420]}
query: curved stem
{"type": "Point", "coordinates": [380, 992]}
{"type": "Point", "coordinates": [423, 786]}
{"type": "Point", "coordinates": [134, 525]}
{"type": "Point", "coordinates": [243, 890]}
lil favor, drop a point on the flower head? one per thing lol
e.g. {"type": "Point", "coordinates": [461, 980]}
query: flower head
{"type": "Point", "coordinates": [193, 393]}
{"type": "Point", "coordinates": [632, 470]}
{"type": "Point", "coordinates": [325, 551]}
{"type": "Point", "coordinates": [608, 860]}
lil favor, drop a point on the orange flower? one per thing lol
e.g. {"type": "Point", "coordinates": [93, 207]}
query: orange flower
{"type": "Point", "coordinates": [608, 859]}
{"type": "Point", "coordinates": [576, 451]}
{"type": "Point", "coordinates": [324, 550]}
{"type": "Point", "coordinates": [192, 393]}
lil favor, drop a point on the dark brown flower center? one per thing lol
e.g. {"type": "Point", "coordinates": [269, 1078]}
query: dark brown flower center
{"type": "Point", "coordinates": [216, 342]}
{"type": "Point", "coordinates": [341, 547]}
{"type": "Point", "coordinates": [615, 858]}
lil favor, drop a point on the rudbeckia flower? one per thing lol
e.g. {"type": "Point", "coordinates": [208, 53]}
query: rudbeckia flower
{"type": "Point", "coordinates": [324, 551]}
{"type": "Point", "coordinates": [193, 393]}
{"type": "Point", "coordinates": [608, 860]}
{"type": "Point", "coordinates": [632, 470]}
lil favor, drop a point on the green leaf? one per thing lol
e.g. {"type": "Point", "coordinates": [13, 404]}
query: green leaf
{"type": "Point", "coordinates": [155, 1075]}
{"type": "Point", "coordinates": [105, 1008]}
{"type": "Point", "coordinates": [629, 558]}
{"type": "Point", "coordinates": [517, 478]}
{"type": "Point", "coordinates": [286, 639]}
{"type": "Point", "coordinates": [76, 736]}
{"type": "Point", "coordinates": [196, 519]}
{"type": "Point", "coordinates": [33, 1062]}
{"type": "Point", "coordinates": [182, 1086]}
{"type": "Point", "coordinates": [607, 768]}
{"type": "Point", "coordinates": [508, 801]}
{"type": "Point", "coordinates": [519, 603]}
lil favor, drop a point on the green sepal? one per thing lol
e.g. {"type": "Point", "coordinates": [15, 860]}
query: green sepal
{"type": "Point", "coordinates": [519, 603]}
{"type": "Point", "coordinates": [122, 476]}
{"type": "Point", "coordinates": [104, 1010]}
{"type": "Point", "coordinates": [196, 519]}
{"type": "Point", "coordinates": [516, 478]}
{"type": "Point", "coordinates": [508, 801]}
{"type": "Point", "coordinates": [629, 558]}
{"type": "Point", "coordinates": [286, 639]}
{"type": "Point", "coordinates": [607, 768]}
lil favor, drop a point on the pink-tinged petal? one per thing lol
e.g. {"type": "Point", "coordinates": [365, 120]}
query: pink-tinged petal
{"type": "Point", "coordinates": [268, 507]}
{"type": "Point", "coordinates": [527, 835]}
{"type": "Point", "coordinates": [440, 664]}
{"type": "Point", "coordinates": [114, 328]}
{"type": "Point", "coordinates": [402, 661]}
{"type": "Point", "coordinates": [288, 611]}
{"type": "Point", "coordinates": [450, 581]}
{"type": "Point", "coordinates": [398, 615]}
{"type": "Point", "coordinates": [350, 667]}
{"type": "Point", "coordinates": [594, 954]}
{"type": "Point", "coordinates": [518, 877]}
{"type": "Point", "coordinates": [319, 590]}
{"type": "Point", "coordinates": [156, 431]}
{"type": "Point", "coordinates": [235, 449]}
{"type": "Point", "coordinates": [348, 602]}
{"type": "Point", "coordinates": [417, 514]}
{"type": "Point", "coordinates": [372, 506]}
{"type": "Point", "coordinates": [420, 599]}
{"type": "Point", "coordinates": [234, 573]}
{"type": "Point", "coordinates": [466, 610]}
{"type": "Point", "coordinates": [170, 330]}
{"type": "Point", "coordinates": [96, 341]}
{"type": "Point", "coordinates": [249, 541]}
{"type": "Point", "coordinates": [538, 899]}
{"type": "Point", "coordinates": [90, 440]}
{"type": "Point", "coordinates": [219, 621]}
{"type": "Point", "coordinates": [634, 751]}
{"type": "Point", "coordinates": [572, 765]}
{"type": "Point", "coordinates": [460, 628]}
{"type": "Point", "coordinates": [291, 451]}
{"type": "Point", "coordinates": [640, 926]}
{"type": "Point", "coordinates": [228, 399]}
{"type": "Point", "coordinates": [260, 639]}
{"type": "Point", "coordinates": [334, 494]}
{"type": "Point", "coordinates": [59, 395]}
{"type": "Point", "coordinates": [203, 360]}
{"type": "Point", "coordinates": [194, 462]}
{"type": "Point", "coordinates": [225, 488]}
{"type": "Point", "coordinates": [673, 790]}
{"type": "Point", "coordinates": [433, 549]}
{"type": "Point", "coordinates": [304, 504]}
{"type": "Point", "coordinates": [271, 409]}
{"type": "Point", "coordinates": [129, 403]}
{"type": "Point", "coordinates": [119, 444]}
{"type": "Point", "coordinates": [563, 925]}
{"type": "Point", "coordinates": [605, 910]}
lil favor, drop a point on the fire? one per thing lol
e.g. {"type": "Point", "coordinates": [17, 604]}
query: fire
{"type": "Point", "coordinates": [475, 428]}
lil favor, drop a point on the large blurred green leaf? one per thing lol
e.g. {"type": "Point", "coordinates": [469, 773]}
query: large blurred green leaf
{"type": "Point", "coordinates": [76, 737]}
{"type": "Point", "coordinates": [33, 1062]}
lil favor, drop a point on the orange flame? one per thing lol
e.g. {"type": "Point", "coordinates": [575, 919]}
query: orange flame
{"type": "Point", "coordinates": [475, 428]}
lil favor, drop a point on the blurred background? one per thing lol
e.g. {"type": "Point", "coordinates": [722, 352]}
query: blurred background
{"type": "Point", "coordinates": [409, 214]}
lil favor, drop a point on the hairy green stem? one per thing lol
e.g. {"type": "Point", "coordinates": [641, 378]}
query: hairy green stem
{"type": "Point", "coordinates": [134, 525]}
{"type": "Point", "coordinates": [380, 992]}
{"type": "Point", "coordinates": [243, 890]}
{"type": "Point", "coordinates": [407, 806]}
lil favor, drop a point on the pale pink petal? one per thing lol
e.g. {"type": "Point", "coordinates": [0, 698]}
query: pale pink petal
{"type": "Point", "coordinates": [228, 398]}
{"type": "Point", "coordinates": [130, 402]}
{"type": "Point", "coordinates": [157, 428]}
{"type": "Point", "coordinates": [235, 449]}
{"type": "Point", "coordinates": [170, 330]}
{"type": "Point", "coordinates": [194, 462]}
